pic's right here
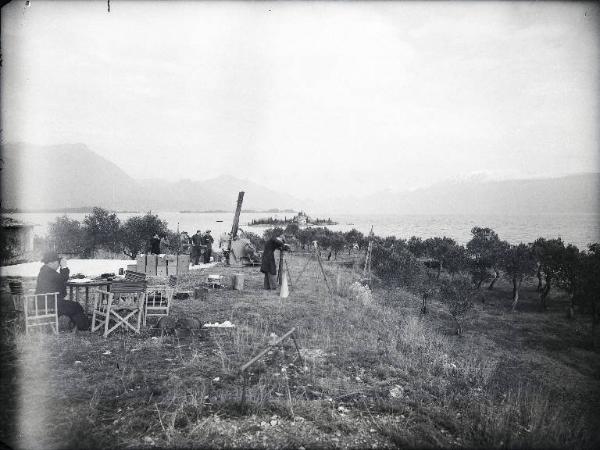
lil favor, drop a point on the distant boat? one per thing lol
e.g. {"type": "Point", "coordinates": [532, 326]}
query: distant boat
{"type": "Point", "coordinates": [219, 221]}
{"type": "Point", "coordinates": [349, 224]}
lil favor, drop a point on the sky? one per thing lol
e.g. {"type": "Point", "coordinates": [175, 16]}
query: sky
{"type": "Point", "coordinates": [315, 99]}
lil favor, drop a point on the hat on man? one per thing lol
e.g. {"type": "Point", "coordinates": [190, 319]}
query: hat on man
{"type": "Point", "coordinates": [50, 256]}
{"type": "Point", "coordinates": [208, 231]}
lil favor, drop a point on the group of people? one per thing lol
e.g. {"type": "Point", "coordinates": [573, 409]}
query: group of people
{"type": "Point", "coordinates": [54, 274]}
{"type": "Point", "coordinates": [199, 245]}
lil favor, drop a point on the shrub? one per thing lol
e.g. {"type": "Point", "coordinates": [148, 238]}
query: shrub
{"type": "Point", "coordinates": [457, 296]}
{"type": "Point", "coordinates": [397, 266]}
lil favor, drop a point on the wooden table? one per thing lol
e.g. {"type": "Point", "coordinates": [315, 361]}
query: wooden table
{"type": "Point", "coordinates": [86, 285]}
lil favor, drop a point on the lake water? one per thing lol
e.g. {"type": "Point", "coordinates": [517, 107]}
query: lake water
{"type": "Point", "coordinates": [580, 229]}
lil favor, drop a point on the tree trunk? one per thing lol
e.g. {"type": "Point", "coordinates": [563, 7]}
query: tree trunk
{"type": "Point", "coordinates": [572, 307]}
{"type": "Point", "coordinates": [496, 276]}
{"type": "Point", "coordinates": [459, 329]}
{"type": "Point", "coordinates": [544, 294]}
{"type": "Point", "coordinates": [539, 277]}
{"type": "Point", "coordinates": [516, 287]}
{"type": "Point", "coordinates": [439, 270]}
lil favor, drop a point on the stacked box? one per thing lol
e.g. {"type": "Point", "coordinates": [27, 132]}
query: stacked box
{"type": "Point", "coordinates": [151, 261]}
{"type": "Point", "coordinates": [141, 263]}
{"type": "Point", "coordinates": [161, 266]}
{"type": "Point", "coordinates": [183, 264]}
{"type": "Point", "coordinates": [171, 264]}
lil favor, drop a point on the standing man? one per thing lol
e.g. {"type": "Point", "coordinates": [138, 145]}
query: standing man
{"type": "Point", "coordinates": [207, 242]}
{"type": "Point", "coordinates": [197, 240]}
{"type": "Point", "coordinates": [268, 266]}
{"type": "Point", "coordinates": [185, 243]}
{"type": "Point", "coordinates": [49, 280]}
{"type": "Point", "coordinates": [155, 245]}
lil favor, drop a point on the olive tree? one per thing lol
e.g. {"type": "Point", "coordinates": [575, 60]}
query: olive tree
{"type": "Point", "coordinates": [518, 263]}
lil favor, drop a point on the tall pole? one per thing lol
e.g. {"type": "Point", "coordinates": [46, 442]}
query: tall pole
{"type": "Point", "coordinates": [236, 223]}
{"type": "Point", "coordinates": [178, 240]}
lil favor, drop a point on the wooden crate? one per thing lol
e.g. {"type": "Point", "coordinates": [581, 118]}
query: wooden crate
{"type": "Point", "coordinates": [161, 271]}
{"type": "Point", "coordinates": [141, 263]}
{"type": "Point", "coordinates": [171, 264]}
{"type": "Point", "coordinates": [183, 264]}
{"type": "Point", "coordinates": [151, 261]}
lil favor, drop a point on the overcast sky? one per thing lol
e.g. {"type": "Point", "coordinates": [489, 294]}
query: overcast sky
{"type": "Point", "coordinates": [310, 98]}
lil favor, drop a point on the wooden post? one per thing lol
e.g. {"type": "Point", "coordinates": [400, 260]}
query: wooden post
{"type": "Point", "coordinates": [323, 271]}
{"type": "Point", "coordinates": [253, 360]}
{"type": "Point", "coordinates": [280, 271]}
{"type": "Point", "coordinates": [236, 222]}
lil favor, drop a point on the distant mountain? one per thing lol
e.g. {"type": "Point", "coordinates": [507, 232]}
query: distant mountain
{"type": "Point", "coordinates": [217, 193]}
{"type": "Point", "coordinates": [562, 195]}
{"type": "Point", "coordinates": [64, 176]}
{"type": "Point", "coordinates": [73, 176]}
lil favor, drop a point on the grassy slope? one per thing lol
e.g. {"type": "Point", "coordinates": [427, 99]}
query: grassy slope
{"type": "Point", "coordinates": [377, 375]}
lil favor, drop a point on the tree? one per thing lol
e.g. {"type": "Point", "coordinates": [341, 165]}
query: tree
{"type": "Point", "coordinates": [457, 294]}
{"type": "Point", "coordinates": [590, 284]}
{"type": "Point", "coordinates": [337, 243]}
{"type": "Point", "coordinates": [441, 250]}
{"type": "Point", "coordinates": [137, 231]}
{"type": "Point", "coordinates": [456, 260]}
{"type": "Point", "coordinates": [416, 246]}
{"type": "Point", "coordinates": [518, 263]}
{"type": "Point", "coordinates": [305, 237]}
{"type": "Point", "coordinates": [480, 271]}
{"type": "Point", "coordinates": [292, 229]}
{"type": "Point", "coordinates": [67, 236]}
{"type": "Point", "coordinates": [548, 254]}
{"type": "Point", "coordinates": [273, 232]}
{"type": "Point", "coordinates": [397, 266]}
{"type": "Point", "coordinates": [570, 273]}
{"type": "Point", "coordinates": [354, 237]}
{"type": "Point", "coordinates": [485, 250]}
{"type": "Point", "coordinates": [102, 230]}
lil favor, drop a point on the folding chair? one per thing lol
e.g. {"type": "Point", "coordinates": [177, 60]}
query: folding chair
{"type": "Point", "coordinates": [158, 299]}
{"type": "Point", "coordinates": [40, 310]}
{"type": "Point", "coordinates": [123, 308]}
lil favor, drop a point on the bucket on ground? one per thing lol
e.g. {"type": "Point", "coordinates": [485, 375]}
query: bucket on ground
{"type": "Point", "coordinates": [237, 281]}
{"type": "Point", "coordinates": [201, 293]}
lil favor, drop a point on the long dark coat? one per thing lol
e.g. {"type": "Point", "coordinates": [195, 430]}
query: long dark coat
{"type": "Point", "coordinates": [49, 280]}
{"type": "Point", "coordinates": [268, 258]}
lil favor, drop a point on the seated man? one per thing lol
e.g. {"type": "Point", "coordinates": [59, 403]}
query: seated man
{"type": "Point", "coordinates": [49, 280]}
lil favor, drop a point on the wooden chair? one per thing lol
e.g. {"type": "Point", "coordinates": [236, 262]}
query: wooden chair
{"type": "Point", "coordinates": [123, 308]}
{"type": "Point", "coordinates": [158, 299]}
{"type": "Point", "coordinates": [40, 310]}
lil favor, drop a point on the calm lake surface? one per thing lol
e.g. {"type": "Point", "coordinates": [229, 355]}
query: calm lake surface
{"type": "Point", "coordinates": [579, 229]}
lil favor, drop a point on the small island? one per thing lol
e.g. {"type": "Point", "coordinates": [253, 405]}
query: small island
{"type": "Point", "coordinates": [301, 220]}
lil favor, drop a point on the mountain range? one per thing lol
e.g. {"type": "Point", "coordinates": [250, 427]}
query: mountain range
{"type": "Point", "coordinates": [73, 176]}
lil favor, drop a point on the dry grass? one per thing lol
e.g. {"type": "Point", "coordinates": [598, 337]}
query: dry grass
{"type": "Point", "coordinates": [379, 375]}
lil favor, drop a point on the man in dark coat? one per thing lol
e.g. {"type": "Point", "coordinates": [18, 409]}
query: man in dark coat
{"type": "Point", "coordinates": [207, 241]}
{"type": "Point", "coordinates": [155, 245]}
{"type": "Point", "coordinates": [197, 244]}
{"type": "Point", "coordinates": [49, 280]}
{"type": "Point", "coordinates": [268, 266]}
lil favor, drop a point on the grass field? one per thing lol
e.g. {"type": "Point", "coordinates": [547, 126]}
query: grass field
{"type": "Point", "coordinates": [370, 376]}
